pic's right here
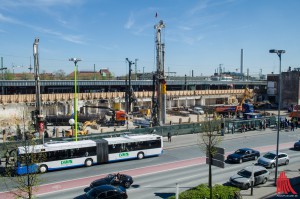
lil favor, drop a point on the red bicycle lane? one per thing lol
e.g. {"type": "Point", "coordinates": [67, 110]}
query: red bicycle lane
{"type": "Point", "coordinates": [85, 182]}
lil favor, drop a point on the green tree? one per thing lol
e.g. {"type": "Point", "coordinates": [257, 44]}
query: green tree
{"type": "Point", "coordinates": [23, 186]}
{"type": "Point", "coordinates": [60, 75]}
{"type": "Point", "coordinates": [209, 139]}
{"type": "Point", "coordinates": [8, 75]}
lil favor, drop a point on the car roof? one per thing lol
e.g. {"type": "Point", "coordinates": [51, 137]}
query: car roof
{"type": "Point", "coordinates": [255, 168]}
{"type": "Point", "coordinates": [245, 149]}
{"type": "Point", "coordinates": [105, 188]}
{"type": "Point", "coordinates": [274, 152]}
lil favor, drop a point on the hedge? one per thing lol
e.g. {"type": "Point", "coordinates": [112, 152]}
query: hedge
{"type": "Point", "coordinates": [202, 192]}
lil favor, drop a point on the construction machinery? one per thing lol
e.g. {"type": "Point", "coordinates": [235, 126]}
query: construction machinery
{"type": "Point", "coordinates": [141, 111]}
{"type": "Point", "coordinates": [118, 118]}
{"type": "Point", "coordinates": [63, 120]}
{"type": "Point", "coordinates": [82, 128]}
{"type": "Point", "coordinates": [243, 107]}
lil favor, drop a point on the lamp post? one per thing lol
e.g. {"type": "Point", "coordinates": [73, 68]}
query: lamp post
{"type": "Point", "coordinates": [75, 60]}
{"type": "Point", "coordinates": [13, 68]}
{"type": "Point", "coordinates": [278, 52]}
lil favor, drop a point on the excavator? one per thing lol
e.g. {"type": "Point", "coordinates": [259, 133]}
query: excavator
{"type": "Point", "coordinates": [82, 128]}
{"type": "Point", "coordinates": [243, 107]}
{"type": "Point", "coordinates": [118, 118]}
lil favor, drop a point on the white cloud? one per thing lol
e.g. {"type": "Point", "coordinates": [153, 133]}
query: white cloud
{"type": "Point", "coordinates": [186, 28]}
{"type": "Point", "coordinates": [38, 3]}
{"type": "Point", "coordinates": [130, 21]}
{"type": "Point", "coordinates": [7, 19]}
{"type": "Point", "coordinates": [67, 37]}
{"type": "Point", "coordinates": [200, 6]}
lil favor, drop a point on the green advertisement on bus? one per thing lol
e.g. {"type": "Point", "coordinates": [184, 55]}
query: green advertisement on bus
{"type": "Point", "coordinates": [125, 154]}
{"type": "Point", "coordinates": [66, 162]}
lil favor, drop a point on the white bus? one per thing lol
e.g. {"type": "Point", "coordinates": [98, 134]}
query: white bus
{"type": "Point", "coordinates": [60, 155]}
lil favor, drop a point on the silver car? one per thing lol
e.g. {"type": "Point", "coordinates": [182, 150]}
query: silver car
{"type": "Point", "coordinates": [269, 159]}
{"type": "Point", "coordinates": [243, 178]}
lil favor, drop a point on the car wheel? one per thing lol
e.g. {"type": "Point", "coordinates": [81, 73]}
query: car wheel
{"type": "Point", "coordinates": [286, 162]}
{"type": "Point", "coordinates": [241, 161]}
{"type": "Point", "coordinates": [247, 186]}
{"type": "Point", "coordinates": [43, 169]}
{"type": "Point", "coordinates": [88, 162]}
{"type": "Point", "coordinates": [264, 181]}
{"type": "Point", "coordinates": [127, 185]}
{"type": "Point", "coordinates": [140, 155]}
{"type": "Point", "coordinates": [272, 166]}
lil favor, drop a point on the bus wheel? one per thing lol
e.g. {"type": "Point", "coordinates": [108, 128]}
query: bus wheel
{"type": "Point", "coordinates": [140, 155]}
{"type": "Point", "coordinates": [43, 168]}
{"type": "Point", "coordinates": [88, 162]}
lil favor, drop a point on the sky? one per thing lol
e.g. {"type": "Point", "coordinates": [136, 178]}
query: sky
{"type": "Point", "coordinates": [199, 35]}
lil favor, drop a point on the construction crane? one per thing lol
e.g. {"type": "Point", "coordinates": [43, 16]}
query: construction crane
{"type": "Point", "coordinates": [159, 90]}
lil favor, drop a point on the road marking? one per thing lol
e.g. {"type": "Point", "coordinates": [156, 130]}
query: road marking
{"type": "Point", "coordinates": [142, 171]}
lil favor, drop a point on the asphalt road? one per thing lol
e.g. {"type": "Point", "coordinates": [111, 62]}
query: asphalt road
{"type": "Point", "coordinates": [160, 183]}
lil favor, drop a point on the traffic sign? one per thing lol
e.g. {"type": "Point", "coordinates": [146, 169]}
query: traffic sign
{"type": "Point", "coordinates": [218, 157]}
{"type": "Point", "coordinates": [217, 163]}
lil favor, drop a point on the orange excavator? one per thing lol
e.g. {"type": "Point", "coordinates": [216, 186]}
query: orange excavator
{"type": "Point", "coordinates": [234, 109]}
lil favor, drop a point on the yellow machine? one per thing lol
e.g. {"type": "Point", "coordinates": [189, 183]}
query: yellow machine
{"type": "Point", "coordinates": [82, 129]}
{"type": "Point", "coordinates": [141, 110]}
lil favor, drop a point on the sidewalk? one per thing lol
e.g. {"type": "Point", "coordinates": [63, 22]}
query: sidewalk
{"type": "Point", "coordinates": [193, 139]}
{"type": "Point", "coordinates": [267, 190]}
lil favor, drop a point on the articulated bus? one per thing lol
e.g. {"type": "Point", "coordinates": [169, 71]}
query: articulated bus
{"type": "Point", "coordinates": [61, 155]}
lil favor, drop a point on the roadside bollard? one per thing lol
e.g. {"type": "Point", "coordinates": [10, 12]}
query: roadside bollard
{"type": "Point", "coordinates": [189, 121]}
{"type": "Point", "coordinates": [177, 191]}
{"type": "Point", "coordinates": [180, 120]}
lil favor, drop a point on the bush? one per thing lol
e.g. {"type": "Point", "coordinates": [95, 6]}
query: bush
{"type": "Point", "coordinates": [202, 192]}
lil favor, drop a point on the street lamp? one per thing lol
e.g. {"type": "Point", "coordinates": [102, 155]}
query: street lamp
{"type": "Point", "coordinates": [278, 52]}
{"type": "Point", "coordinates": [75, 60]}
{"type": "Point", "coordinates": [13, 68]}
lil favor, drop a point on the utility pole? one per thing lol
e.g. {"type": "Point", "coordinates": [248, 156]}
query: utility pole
{"type": "Point", "coordinates": [185, 82]}
{"type": "Point", "coordinates": [94, 71]}
{"type": "Point", "coordinates": [30, 67]}
{"type": "Point", "coordinates": [2, 68]}
{"type": "Point", "coordinates": [129, 86]}
{"type": "Point", "coordinates": [135, 65]}
{"type": "Point", "coordinates": [39, 123]}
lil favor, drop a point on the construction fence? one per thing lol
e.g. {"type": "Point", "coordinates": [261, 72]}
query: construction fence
{"type": "Point", "coordinates": [230, 126]}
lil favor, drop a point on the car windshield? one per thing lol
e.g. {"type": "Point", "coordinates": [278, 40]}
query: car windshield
{"type": "Point", "coordinates": [240, 151]}
{"type": "Point", "coordinates": [270, 156]}
{"type": "Point", "coordinates": [245, 173]}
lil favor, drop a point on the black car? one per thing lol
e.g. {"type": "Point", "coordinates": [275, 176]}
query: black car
{"type": "Point", "coordinates": [243, 154]}
{"type": "Point", "coordinates": [114, 179]}
{"type": "Point", "coordinates": [297, 145]}
{"type": "Point", "coordinates": [107, 192]}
